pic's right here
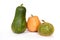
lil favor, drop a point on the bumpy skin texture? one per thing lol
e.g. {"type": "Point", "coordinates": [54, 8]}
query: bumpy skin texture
{"type": "Point", "coordinates": [45, 29]}
{"type": "Point", "coordinates": [33, 23]}
{"type": "Point", "coordinates": [19, 22]}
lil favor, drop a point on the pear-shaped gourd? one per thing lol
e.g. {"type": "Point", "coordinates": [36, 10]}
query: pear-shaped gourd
{"type": "Point", "coordinates": [19, 22]}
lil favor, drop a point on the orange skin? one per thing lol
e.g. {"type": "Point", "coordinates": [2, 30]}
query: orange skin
{"type": "Point", "coordinates": [33, 23]}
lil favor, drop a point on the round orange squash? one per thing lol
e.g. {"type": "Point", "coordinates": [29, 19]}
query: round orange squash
{"type": "Point", "coordinates": [33, 23]}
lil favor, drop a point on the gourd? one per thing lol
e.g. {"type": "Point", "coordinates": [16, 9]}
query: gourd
{"type": "Point", "coordinates": [19, 22]}
{"type": "Point", "coordinates": [45, 29]}
{"type": "Point", "coordinates": [33, 23]}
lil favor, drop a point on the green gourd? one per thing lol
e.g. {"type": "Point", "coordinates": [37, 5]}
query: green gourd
{"type": "Point", "coordinates": [19, 22]}
{"type": "Point", "coordinates": [46, 29]}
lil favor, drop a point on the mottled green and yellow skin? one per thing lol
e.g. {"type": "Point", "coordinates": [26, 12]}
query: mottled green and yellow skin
{"type": "Point", "coordinates": [46, 29]}
{"type": "Point", "coordinates": [19, 22]}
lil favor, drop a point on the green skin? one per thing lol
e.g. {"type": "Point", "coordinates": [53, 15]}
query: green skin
{"type": "Point", "coordinates": [45, 29]}
{"type": "Point", "coordinates": [19, 22]}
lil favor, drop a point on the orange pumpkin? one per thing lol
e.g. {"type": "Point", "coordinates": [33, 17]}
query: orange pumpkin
{"type": "Point", "coordinates": [33, 23]}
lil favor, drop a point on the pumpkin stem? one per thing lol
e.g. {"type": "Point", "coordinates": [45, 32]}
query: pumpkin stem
{"type": "Point", "coordinates": [43, 21]}
{"type": "Point", "coordinates": [21, 5]}
{"type": "Point", "coordinates": [31, 15]}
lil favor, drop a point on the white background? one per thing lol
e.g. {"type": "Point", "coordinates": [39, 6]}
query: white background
{"type": "Point", "coordinates": [48, 10]}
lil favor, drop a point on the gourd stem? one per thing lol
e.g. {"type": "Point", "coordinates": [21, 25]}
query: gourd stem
{"type": "Point", "coordinates": [43, 21]}
{"type": "Point", "coordinates": [31, 15]}
{"type": "Point", "coordinates": [21, 5]}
